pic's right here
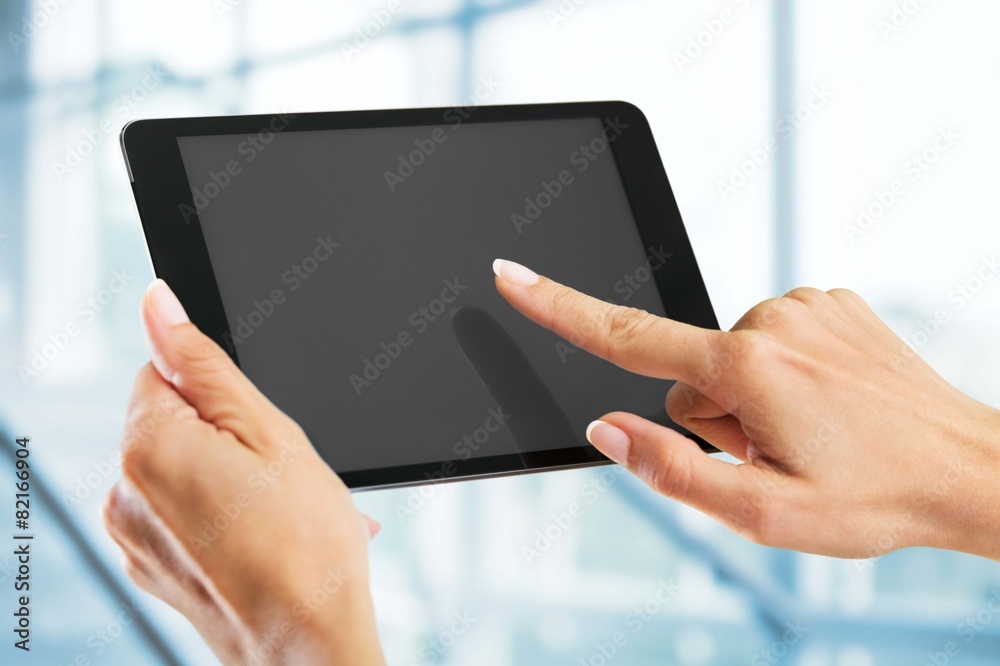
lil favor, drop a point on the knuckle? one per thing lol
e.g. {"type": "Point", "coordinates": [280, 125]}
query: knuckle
{"type": "Point", "coordinates": [145, 375]}
{"type": "Point", "coordinates": [680, 404]}
{"type": "Point", "coordinates": [668, 474]}
{"type": "Point", "coordinates": [561, 303]}
{"type": "Point", "coordinates": [565, 312]}
{"type": "Point", "coordinates": [775, 312]}
{"type": "Point", "coordinates": [136, 461]}
{"type": "Point", "coordinates": [755, 419]}
{"type": "Point", "coordinates": [202, 356]}
{"type": "Point", "coordinates": [806, 295]}
{"type": "Point", "coordinates": [758, 317]}
{"type": "Point", "coordinates": [840, 292]}
{"type": "Point", "coordinates": [676, 405]}
{"type": "Point", "coordinates": [846, 296]}
{"type": "Point", "coordinates": [141, 403]}
{"type": "Point", "coordinates": [625, 324]}
{"type": "Point", "coordinates": [751, 351]}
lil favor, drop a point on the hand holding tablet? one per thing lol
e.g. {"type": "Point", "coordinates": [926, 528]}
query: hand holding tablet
{"type": "Point", "coordinates": [855, 447]}
{"type": "Point", "coordinates": [226, 512]}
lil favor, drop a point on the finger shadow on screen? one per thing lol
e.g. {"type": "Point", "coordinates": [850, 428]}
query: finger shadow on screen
{"type": "Point", "coordinates": [537, 421]}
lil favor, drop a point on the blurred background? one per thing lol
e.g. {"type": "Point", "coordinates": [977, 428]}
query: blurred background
{"type": "Point", "coordinates": [785, 128]}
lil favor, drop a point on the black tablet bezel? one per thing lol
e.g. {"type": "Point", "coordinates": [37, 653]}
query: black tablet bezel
{"type": "Point", "coordinates": [180, 256]}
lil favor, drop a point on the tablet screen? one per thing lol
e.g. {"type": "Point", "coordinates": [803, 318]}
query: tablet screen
{"type": "Point", "coordinates": [354, 267]}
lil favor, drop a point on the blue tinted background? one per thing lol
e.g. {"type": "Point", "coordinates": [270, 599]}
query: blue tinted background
{"type": "Point", "coordinates": [848, 96]}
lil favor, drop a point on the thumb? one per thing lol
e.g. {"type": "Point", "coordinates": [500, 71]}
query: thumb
{"type": "Point", "coordinates": [672, 464]}
{"type": "Point", "coordinates": [200, 370]}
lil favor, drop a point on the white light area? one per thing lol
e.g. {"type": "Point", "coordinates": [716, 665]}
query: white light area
{"type": "Point", "coordinates": [63, 246]}
{"type": "Point", "coordinates": [973, 340]}
{"type": "Point", "coordinates": [436, 65]}
{"type": "Point", "coordinates": [704, 117]}
{"type": "Point", "coordinates": [60, 40]}
{"type": "Point", "coordinates": [855, 587]}
{"type": "Point", "coordinates": [278, 28]}
{"type": "Point", "coordinates": [893, 96]}
{"type": "Point", "coordinates": [695, 522]}
{"type": "Point", "coordinates": [815, 578]}
{"type": "Point", "coordinates": [433, 9]}
{"type": "Point", "coordinates": [381, 77]}
{"type": "Point", "coordinates": [401, 615]}
{"type": "Point", "coordinates": [488, 644]}
{"type": "Point", "coordinates": [190, 37]}
{"type": "Point", "coordinates": [439, 548]}
{"type": "Point", "coordinates": [502, 555]}
{"type": "Point", "coordinates": [541, 551]}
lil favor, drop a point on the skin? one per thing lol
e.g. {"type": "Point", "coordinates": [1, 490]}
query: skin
{"type": "Point", "coordinates": [852, 447]}
{"type": "Point", "coordinates": [285, 581]}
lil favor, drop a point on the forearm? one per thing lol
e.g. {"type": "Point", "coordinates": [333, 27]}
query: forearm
{"type": "Point", "coordinates": [327, 633]}
{"type": "Point", "coordinates": [965, 491]}
{"type": "Point", "coordinates": [343, 639]}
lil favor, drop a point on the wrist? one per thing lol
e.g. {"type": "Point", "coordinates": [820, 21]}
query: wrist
{"type": "Point", "coordinates": [333, 624]}
{"type": "Point", "coordinates": [342, 634]}
{"type": "Point", "coordinates": [963, 494]}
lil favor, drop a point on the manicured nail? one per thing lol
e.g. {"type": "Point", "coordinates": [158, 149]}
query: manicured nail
{"type": "Point", "coordinates": [514, 273]}
{"type": "Point", "coordinates": [165, 303]}
{"type": "Point", "coordinates": [609, 440]}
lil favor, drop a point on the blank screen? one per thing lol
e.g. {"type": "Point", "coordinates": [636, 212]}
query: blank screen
{"type": "Point", "coordinates": [355, 270]}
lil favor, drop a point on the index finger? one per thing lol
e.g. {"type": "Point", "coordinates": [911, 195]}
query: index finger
{"type": "Point", "coordinates": [633, 339]}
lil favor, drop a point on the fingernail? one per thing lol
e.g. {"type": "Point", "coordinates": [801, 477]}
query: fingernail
{"type": "Point", "coordinates": [165, 303]}
{"type": "Point", "coordinates": [609, 440]}
{"type": "Point", "coordinates": [514, 273]}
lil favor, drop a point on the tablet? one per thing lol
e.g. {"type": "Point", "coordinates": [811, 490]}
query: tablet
{"type": "Point", "coordinates": [344, 261]}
